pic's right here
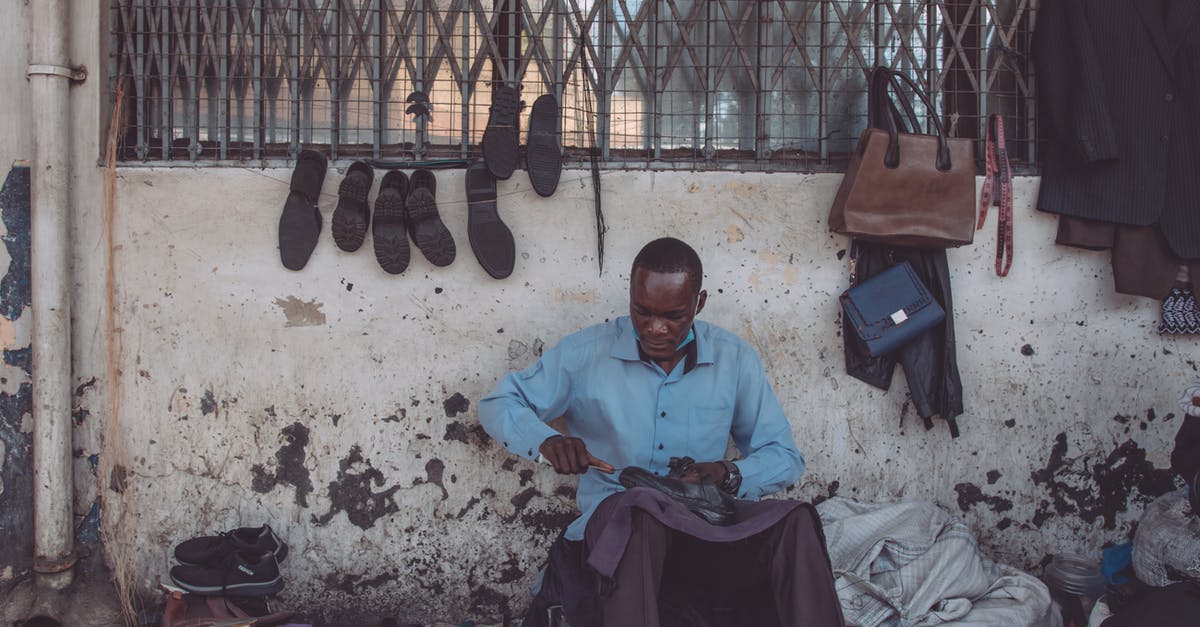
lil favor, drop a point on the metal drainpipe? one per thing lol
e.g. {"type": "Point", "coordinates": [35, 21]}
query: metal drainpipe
{"type": "Point", "coordinates": [53, 491]}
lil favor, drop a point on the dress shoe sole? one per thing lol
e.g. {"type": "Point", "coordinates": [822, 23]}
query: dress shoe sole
{"type": "Point", "coordinates": [491, 239]}
{"type": "Point", "coordinates": [543, 156]}
{"type": "Point", "coordinates": [300, 221]}
{"type": "Point", "coordinates": [500, 138]}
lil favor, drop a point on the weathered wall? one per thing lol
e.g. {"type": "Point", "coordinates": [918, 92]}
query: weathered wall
{"type": "Point", "coordinates": [16, 472]}
{"type": "Point", "coordinates": [338, 403]}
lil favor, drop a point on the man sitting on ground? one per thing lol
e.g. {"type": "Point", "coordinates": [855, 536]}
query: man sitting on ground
{"type": "Point", "coordinates": [636, 392]}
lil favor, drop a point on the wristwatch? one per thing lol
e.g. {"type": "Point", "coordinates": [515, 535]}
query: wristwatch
{"type": "Point", "coordinates": [733, 477]}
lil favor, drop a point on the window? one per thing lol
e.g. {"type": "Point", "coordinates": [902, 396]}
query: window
{"type": "Point", "coordinates": [690, 84]}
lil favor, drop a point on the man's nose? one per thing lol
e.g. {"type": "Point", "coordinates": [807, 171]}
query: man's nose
{"type": "Point", "coordinates": [658, 326]}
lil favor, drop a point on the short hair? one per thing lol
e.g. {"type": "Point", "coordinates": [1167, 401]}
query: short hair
{"type": "Point", "coordinates": [669, 255]}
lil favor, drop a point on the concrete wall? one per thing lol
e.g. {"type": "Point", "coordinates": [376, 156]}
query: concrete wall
{"type": "Point", "coordinates": [338, 403]}
{"type": "Point", "coordinates": [16, 474]}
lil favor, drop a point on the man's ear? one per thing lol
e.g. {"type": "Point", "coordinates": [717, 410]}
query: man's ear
{"type": "Point", "coordinates": [700, 302]}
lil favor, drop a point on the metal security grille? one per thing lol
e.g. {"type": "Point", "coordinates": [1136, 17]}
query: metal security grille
{"type": "Point", "coordinates": [694, 84]}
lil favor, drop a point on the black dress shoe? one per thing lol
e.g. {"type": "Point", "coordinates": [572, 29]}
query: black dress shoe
{"type": "Point", "coordinates": [703, 499]}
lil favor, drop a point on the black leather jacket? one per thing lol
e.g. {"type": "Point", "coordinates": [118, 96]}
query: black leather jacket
{"type": "Point", "coordinates": [929, 361]}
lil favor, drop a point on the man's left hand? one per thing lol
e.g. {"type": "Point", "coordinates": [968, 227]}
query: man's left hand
{"type": "Point", "coordinates": [715, 471]}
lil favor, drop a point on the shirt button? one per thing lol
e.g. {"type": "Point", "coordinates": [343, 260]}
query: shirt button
{"type": "Point", "coordinates": [664, 414]}
{"type": "Point", "coordinates": [1163, 138]}
{"type": "Point", "coordinates": [1169, 97]}
{"type": "Point", "coordinates": [660, 447]}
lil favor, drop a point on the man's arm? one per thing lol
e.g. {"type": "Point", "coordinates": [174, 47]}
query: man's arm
{"type": "Point", "coordinates": [770, 460]}
{"type": "Point", "coordinates": [517, 410]}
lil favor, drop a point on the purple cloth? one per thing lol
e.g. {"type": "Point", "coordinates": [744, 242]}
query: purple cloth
{"type": "Point", "coordinates": [608, 530]}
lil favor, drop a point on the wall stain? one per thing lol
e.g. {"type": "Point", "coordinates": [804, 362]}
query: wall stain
{"type": "Point", "coordinates": [473, 434]}
{"type": "Point", "coordinates": [435, 470]}
{"type": "Point", "coordinates": [354, 493]}
{"type": "Point", "coordinates": [548, 523]}
{"type": "Point", "coordinates": [832, 491]}
{"type": "Point", "coordinates": [15, 294]}
{"type": "Point", "coordinates": [300, 313]}
{"type": "Point", "coordinates": [1098, 489]}
{"type": "Point", "coordinates": [208, 404]}
{"type": "Point", "coordinates": [488, 602]}
{"type": "Point", "coordinates": [290, 465]}
{"type": "Point", "coordinates": [970, 494]}
{"type": "Point", "coordinates": [520, 500]}
{"type": "Point", "coordinates": [455, 405]}
{"type": "Point", "coordinates": [20, 358]}
{"type": "Point", "coordinates": [510, 571]}
{"type": "Point", "coordinates": [993, 476]}
{"type": "Point", "coordinates": [16, 479]}
{"type": "Point", "coordinates": [82, 388]}
{"type": "Point", "coordinates": [353, 584]}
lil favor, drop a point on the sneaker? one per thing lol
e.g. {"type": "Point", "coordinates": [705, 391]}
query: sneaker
{"type": "Point", "coordinates": [212, 550]}
{"type": "Point", "coordinates": [238, 573]}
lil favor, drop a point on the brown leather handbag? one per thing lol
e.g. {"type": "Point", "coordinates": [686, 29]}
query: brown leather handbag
{"type": "Point", "coordinates": [902, 188]}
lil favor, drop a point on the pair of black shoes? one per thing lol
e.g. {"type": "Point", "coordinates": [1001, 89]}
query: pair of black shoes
{"type": "Point", "coordinates": [244, 562]}
{"type": "Point", "coordinates": [404, 207]}
{"type": "Point", "coordinates": [407, 207]}
{"type": "Point", "coordinates": [703, 499]}
{"type": "Point", "coordinates": [501, 139]}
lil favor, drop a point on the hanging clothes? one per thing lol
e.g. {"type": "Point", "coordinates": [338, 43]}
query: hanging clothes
{"type": "Point", "coordinates": [1118, 88]}
{"type": "Point", "coordinates": [930, 362]}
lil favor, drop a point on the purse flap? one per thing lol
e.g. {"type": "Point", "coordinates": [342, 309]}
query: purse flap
{"type": "Point", "coordinates": [885, 300]}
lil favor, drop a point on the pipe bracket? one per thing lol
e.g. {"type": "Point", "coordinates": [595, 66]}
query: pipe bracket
{"type": "Point", "coordinates": [77, 75]}
{"type": "Point", "coordinates": [47, 566]}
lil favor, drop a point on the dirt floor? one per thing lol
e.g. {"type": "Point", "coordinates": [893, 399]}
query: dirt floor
{"type": "Point", "coordinates": [91, 601]}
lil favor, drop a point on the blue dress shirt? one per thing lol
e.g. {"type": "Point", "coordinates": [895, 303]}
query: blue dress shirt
{"type": "Point", "coordinates": [631, 413]}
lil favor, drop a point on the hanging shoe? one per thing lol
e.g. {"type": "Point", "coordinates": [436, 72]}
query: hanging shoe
{"type": "Point", "coordinates": [300, 222]}
{"type": "Point", "coordinates": [353, 213]}
{"type": "Point", "coordinates": [388, 232]}
{"type": "Point", "coordinates": [425, 226]}
{"type": "Point", "coordinates": [543, 155]}
{"type": "Point", "coordinates": [500, 138]}
{"type": "Point", "coordinates": [491, 239]}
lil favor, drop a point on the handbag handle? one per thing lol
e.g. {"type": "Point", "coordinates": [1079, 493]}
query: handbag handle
{"type": "Point", "coordinates": [879, 94]}
{"type": "Point", "coordinates": [879, 106]}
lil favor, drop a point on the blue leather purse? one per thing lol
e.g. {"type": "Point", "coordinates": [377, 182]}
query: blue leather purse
{"type": "Point", "coordinates": [889, 309]}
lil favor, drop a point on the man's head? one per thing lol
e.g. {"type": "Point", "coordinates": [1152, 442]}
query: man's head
{"type": "Point", "coordinates": [665, 296]}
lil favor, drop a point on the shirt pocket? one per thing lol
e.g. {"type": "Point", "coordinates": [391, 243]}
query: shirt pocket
{"type": "Point", "coordinates": [708, 432]}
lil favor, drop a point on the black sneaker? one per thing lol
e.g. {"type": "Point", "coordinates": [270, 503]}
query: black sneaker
{"type": "Point", "coordinates": [238, 573]}
{"type": "Point", "coordinates": [212, 550]}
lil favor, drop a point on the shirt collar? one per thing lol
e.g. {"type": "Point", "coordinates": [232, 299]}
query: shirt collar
{"type": "Point", "coordinates": [699, 351]}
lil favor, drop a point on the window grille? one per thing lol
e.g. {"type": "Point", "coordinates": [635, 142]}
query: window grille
{"type": "Point", "coordinates": [691, 84]}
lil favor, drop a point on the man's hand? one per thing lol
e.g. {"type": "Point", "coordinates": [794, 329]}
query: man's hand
{"type": "Point", "coordinates": [715, 471]}
{"type": "Point", "coordinates": [570, 456]}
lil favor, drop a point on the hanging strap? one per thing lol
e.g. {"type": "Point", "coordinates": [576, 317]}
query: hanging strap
{"type": "Point", "coordinates": [998, 176]}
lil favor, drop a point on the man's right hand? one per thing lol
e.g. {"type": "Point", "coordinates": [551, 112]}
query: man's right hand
{"type": "Point", "coordinates": [570, 456]}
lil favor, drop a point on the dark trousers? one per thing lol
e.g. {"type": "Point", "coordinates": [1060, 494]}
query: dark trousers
{"type": "Point", "coordinates": [781, 577]}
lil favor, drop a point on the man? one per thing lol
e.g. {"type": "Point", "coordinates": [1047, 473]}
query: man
{"type": "Point", "coordinates": [638, 391]}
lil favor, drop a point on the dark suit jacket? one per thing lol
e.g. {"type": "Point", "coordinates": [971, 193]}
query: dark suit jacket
{"type": "Point", "coordinates": [1119, 101]}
